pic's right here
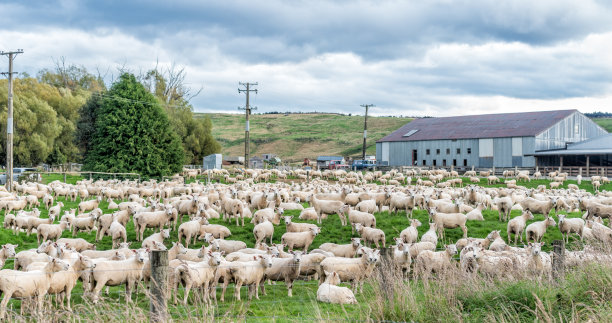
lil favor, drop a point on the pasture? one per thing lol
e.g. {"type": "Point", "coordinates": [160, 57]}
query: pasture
{"type": "Point", "coordinates": [449, 298]}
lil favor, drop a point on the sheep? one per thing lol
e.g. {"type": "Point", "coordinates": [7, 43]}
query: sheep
{"type": "Point", "coordinates": [430, 261]}
{"type": "Point", "coordinates": [431, 234]}
{"type": "Point", "coordinates": [492, 180]}
{"type": "Point", "coordinates": [568, 226]}
{"type": "Point", "coordinates": [159, 237]}
{"type": "Point", "coordinates": [401, 256]}
{"type": "Point", "coordinates": [50, 231]}
{"type": "Point", "coordinates": [397, 202]}
{"type": "Point", "coordinates": [221, 245]}
{"type": "Point", "coordinates": [83, 224]}
{"type": "Point", "coordinates": [79, 244]}
{"type": "Point", "coordinates": [476, 213]}
{"type": "Point", "coordinates": [117, 232]}
{"type": "Point", "coordinates": [536, 206]}
{"type": "Point", "coordinates": [217, 230]}
{"type": "Point", "coordinates": [291, 206]}
{"type": "Point", "coordinates": [300, 239]}
{"type": "Point", "coordinates": [370, 235]}
{"type": "Point", "coordinates": [342, 250]}
{"type": "Point", "coordinates": [309, 214]}
{"type": "Point", "coordinates": [99, 254]}
{"type": "Point", "coordinates": [7, 251]}
{"type": "Point", "coordinates": [354, 270]}
{"type": "Point", "coordinates": [106, 273]}
{"type": "Point", "coordinates": [600, 232]}
{"type": "Point", "coordinates": [411, 234]}
{"type": "Point", "coordinates": [596, 185]}
{"type": "Point", "coordinates": [33, 222]}
{"type": "Point", "coordinates": [249, 273]}
{"type": "Point", "coordinates": [28, 284]}
{"type": "Point", "coordinates": [535, 231]}
{"type": "Point", "coordinates": [296, 227]}
{"type": "Point", "coordinates": [89, 205]}
{"type": "Point", "coordinates": [154, 219]}
{"type": "Point", "coordinates": [328, 292]}
{"type": "Point", "coordinates": [47, 201]}
{"type": "Point", "coordinates": [284, 269]}
{"type": "Point", "coordinates": [189, 230]}
{"type": "Point", "coordinates": [538, 261]}
{"type": "Point", "coordinates": [504, 206]}
{"type": "Point", "coordinates": [497, 243]}
{"type": "Point", "coordinates": [272, 214]}
{"type": "Point", "coordinates": [448, 221]}
{"type": "Point", "coordinates": [199, 274]}
{"type": "Point", "coordinates": [262, 231]}
{"type": "Point", "coordinates": [330, 207]}
{"type": "Point", "coordinates": [523, 177]}
{"type": "Point", "coordinates": [517, 225]}
{"type": "Point", "coordinates": [55, 210]}
{"type": "Point", "coordinates": [364, 218]}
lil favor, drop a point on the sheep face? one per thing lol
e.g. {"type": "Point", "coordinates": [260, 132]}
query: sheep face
{"type": "Point", "coordinates": [297, 256]}
{"type": "Point", "coordinates": [373, 257]}
{"type": "Point", "coordinates": [332, 278]}
{"type": "Point", "coordinates": [415, 223]}
{"type": "Point", "coordinates": [452, 249]}
{"type": "Point", "coordinates": [536, 248]}
{"type": "Point", "coordinates": [265, 260]}
{"type": "Point", "coordinates": [159, 246]}
{"type": "Point", "coordinates": [9, 249]}
{"type": "Point", "coordinates": [287, 219]}
{"type": "Point", "coordinates": [493, 235]}
{"type": "Point", "coordinates": [165, 233]}
{"type": "Point", "coordinates": [215, 258]}
{"type": "Point", "coordinates": [315, 231]}
{"type": "Point", "coordinates": [550, 222]}
{"type": "Point", "coordinates": [273, 251]}
{"type": "Point", "coordinates": [203, 251]}
{"type": "Point", "coordinates": [141, 255]}
{"type": "Point", "coordinates": [356, 242]}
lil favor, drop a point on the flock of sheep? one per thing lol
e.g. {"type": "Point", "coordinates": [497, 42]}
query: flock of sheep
{"type": "Point", "coordinates": [58, 263]}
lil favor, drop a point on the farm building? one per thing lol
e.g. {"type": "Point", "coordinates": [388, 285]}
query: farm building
{"type": "Point", "coordinates": [500, 140]}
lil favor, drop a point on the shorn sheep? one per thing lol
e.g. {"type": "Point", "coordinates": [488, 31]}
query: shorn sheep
{"type": "Point", "coordinates": [300, 239]}
{"type": "Point", "coordinates": [517, 225]}
{"type": "Point", "coordinates": [568, 226]}
{"type": "Point", "coordinates": [535, 231]}
{"type": "Point", "coordinates": [329, 292]}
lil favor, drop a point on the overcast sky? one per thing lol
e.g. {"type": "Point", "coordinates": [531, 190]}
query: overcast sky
{"type": "Point", "coordinates": [435, 58]}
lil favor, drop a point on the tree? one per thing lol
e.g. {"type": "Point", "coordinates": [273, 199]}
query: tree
{"type": "Point", "coordinates": [195, 133]}
{"type": "Point", "coordinates": [86, 125]}
{"type": "Point", "coordinates": [133, 133]}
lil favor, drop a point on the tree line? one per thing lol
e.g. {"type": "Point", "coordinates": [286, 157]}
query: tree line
{"type": "Point", "coordinates": [140, 124]}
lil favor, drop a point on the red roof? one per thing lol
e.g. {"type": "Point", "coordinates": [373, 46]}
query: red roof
{"type": "Point", "coordinates": [499, 125]}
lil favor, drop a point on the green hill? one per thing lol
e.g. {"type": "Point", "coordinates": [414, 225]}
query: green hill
{"type": "Point", "coordinates": [297, 136]}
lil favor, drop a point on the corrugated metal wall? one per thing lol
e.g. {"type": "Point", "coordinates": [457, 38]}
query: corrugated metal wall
{"type": "Point", "coordinates": [400, 153]}
{"type": "Point", "coordinates": [574, 128]}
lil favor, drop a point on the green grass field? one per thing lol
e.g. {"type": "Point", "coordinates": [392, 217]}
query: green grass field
{"type": "Point", "coordinates": [605, 123]}
{"type": "Point", "coordinates": [303, 304]}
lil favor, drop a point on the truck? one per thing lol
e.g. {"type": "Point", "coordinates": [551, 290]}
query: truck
{"type": "Point", "coordinates": [19, 173]}
{"type": "Point", "coordinates": [367, 164]}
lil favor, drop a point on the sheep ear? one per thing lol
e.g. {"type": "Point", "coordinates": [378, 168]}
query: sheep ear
{"type": "Point", "coordinates": [542, 244]}
{"type": "Point", "coordinates": [134, 251]}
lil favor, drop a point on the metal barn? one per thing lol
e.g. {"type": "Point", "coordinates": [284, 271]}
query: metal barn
{"type": "Point", "coordinates": [500, 140]}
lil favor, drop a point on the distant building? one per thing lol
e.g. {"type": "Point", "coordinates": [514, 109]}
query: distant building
{"type": "Point", "coordinates": [500, 140]}
{"type": "Point", "coordinates": [232, 160]}
{"type": "Point", "coordinates": [256, 162]}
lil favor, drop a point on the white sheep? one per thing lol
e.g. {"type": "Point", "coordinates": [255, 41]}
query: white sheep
{"type": "Point", "coordinates": [431, 235]}
{"type": "Point", "coordinates": [28, 284]}
{"type": "Point", "coordinates": [79, 244]}
{"type": "Point", "coordinates": [249, 273]}
{"type": "Point", "coordinates": [476, 213]}
{"type": "Point", "coordinates": [197, 275]}
{"type": "Point", "coordinates": [310, 214]}
{"type": "Point", "coordinates": [222, 245]}
{"type": "Point", "coordinates": [411, 234]}
{"type": "Point", "coordinates": [448, 221]}
{"type": "Point", "coordinates": [284, 269]}
{"type": "Point", "coordinates": [328, 292]}
{"type": "Point", "coordinates": [364, 218]}
{"type": "Point", "coordinates": [7, 251]}
{"type": "Point", "coordinates": [536, 230]}
{"type": "Point", "coordinates": [354, 270]}
{"type": "Point", "coordinates": [517, 225]}
{"type": "Point", "coordinates": [300, 239]}
{"type": "Point", "coordinates": [262, 231]}
{"type": "Point", "coordinates": [330, 207]}
{"type": "Point", "coordinates": [568, 226]}
{"type": "Point", "coordinates": [430, 261]}
{"type": "Point", "coordinates": [370, 235]}
{"type": "Point", "coordinates": [158, 237]}
{"type": "Point", "coordinates": [115, 273]}
{"type": "Point", "coordinates": [342, 250]}
{"type": "Point", "coordinates": [89, 205]}
{"type": "Point", "coordinates": [50, 231]}
{"type": "Point", "coordinates": [296, 227]}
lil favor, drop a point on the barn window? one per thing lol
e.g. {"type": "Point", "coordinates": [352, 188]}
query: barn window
{"type": "Point", "coordinates": [455, 162]}
{"type": "Point", "coordinates": [424, 162]}
{"type": "Point", "coordinates": [458, 151]}
{"type": "Point", "coordinates": [444, 162]}
{"type": "Point", "coordinates": [448, 151]}
{"type": "Point", "coordinates": [434, 161]}
{"type": "Point", "coordinates": [465, 162]}
{"type": "Point", "coordinates": [427, 152]}
{"type": "Point", "coordinates": [437, 151]}
{"type": "Point", "coordinates": [410, 133]}
{"type": "Point", "coordinates": [469, 150]}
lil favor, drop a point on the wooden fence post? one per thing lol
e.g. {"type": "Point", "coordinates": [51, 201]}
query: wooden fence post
{"type": "Point", "coordinates": [558, 264]}
{"type": "Point", "coordinates": [64, 177]}
{"type": "Point", "coordinates": [158, 286]}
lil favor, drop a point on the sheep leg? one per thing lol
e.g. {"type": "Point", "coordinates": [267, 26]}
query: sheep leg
{"type": "Point", "coordinates": [128, 291]}
{"type": "Point", "coordinates": [464, 229]}
{"type": "Point", "coordinates": [289, 284]}
{"type": "Point", "coordinates": [187, 289]}
{"type": "Point", "coordinates": [237, 290]}
{"type": "Point", "coordinates": [5, 300]}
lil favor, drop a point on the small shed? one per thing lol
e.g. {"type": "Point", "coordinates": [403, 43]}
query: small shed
{"type": "Point", "coordinates": [256, 162]}
{"type": "Point", "coordinates": [213, 161]}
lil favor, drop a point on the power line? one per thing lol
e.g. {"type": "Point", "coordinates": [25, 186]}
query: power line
{"type": "Point", "coordinates": [9, 120]}
{"type": "Point", "coordinates": [247, 89]}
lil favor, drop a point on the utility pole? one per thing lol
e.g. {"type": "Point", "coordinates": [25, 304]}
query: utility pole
{"type": "Point", "coordinates": [247, 89]}
{"type": "Point", "coordinates": [365, 129]}
{"type": "Point", "coordinates": [9, 120]}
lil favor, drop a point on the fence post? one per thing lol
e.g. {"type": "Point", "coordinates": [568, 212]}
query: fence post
{"type": "Point", "coordinates": [158, 286]}
{"type": "Point", "coordinates": [386, 272]}
{"type": "Point", "coordinates": [558, 265]}
{"type": "Point", "coordinates": [90, 176]}
{"type": "Point", "coordinates": [64, 177]}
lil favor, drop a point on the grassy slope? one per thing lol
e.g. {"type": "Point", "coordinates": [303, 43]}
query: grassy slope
{"type": "Point", "coordinates": [299, 136]}
{"type": "Point", "coordinates": [276, 303]}
{"type": "Point", "coordinates": [605, 123]}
